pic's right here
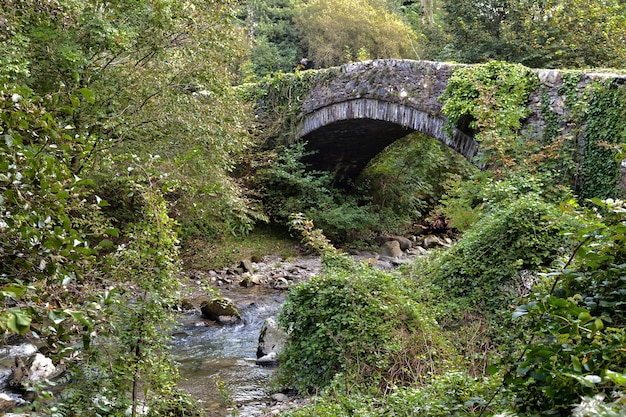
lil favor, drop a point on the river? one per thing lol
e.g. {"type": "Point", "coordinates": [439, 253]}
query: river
{"type": "Point", "coordinates": [217, 363]}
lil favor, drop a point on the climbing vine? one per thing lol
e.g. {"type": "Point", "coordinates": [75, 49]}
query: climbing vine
{"type": "Point", "coordinates": [558, 156]}
{"type": "Point", "coordinates": [490, 101]}
{"type": "Point", "coordinates": [604, 127]}
{"type": "Point", "coordinates": [279, 101]}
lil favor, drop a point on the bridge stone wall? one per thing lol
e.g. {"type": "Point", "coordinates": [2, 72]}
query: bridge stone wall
{"type": "Point", "coordinates": [403, 96]}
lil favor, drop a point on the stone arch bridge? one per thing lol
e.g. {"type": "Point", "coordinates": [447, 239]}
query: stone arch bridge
{"type": "Point", "coordinates": [352, 112]}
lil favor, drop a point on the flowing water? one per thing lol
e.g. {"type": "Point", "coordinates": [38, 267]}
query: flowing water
{"type": "Point", "coordinates": [217, 364]}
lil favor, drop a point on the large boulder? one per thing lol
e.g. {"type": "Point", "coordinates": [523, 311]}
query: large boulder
{"type": "Point", "coordinates": [405, 243]}
{"type": "Point", "coordinates": [271, 342]}
{"type": "Point", "coordinates": [391, 249]}
{"type": "Point", "coordinates": [35, 368]}
{"type": "Point", "coordinates": [221, 310]}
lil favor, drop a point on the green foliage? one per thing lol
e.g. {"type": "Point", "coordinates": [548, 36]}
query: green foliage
{"type": "Point", "coordinates": [130, 367]}
{"type": "Point", "coordinates": [155, 78]}
{"type": "Point", "coordinates": [484, 266]}
{"type": "Point", "coordinates": [288, 187]}
{"type": "Point", "coordinates": [474, 28]}
{"type": "Point", "coordinates": [331, 28]}
{"type": "Point", "coordinates": [449, 394]}
{"type": "Point", "coordinates": [492, 97]}
{"type": "Point", "coordinates": [577, 326]}
{"type": "Point", "coordinates": [276, 40]}
{"type": "Point", "coordinates": [570, 34]}
{"type": "Point", "coordinates": [278, 99]}
{"type": "Point", "coordinates": [468, 201]}
{"type": "Point", "coordinates": [540, 34]}
{"type": "Point", "coordinates": [355, 323]}
{"type": "Point", "coordinates": [409, 177]}
{"type": "Point", "coordinates": [50, 223]}
{"type": "Point", "coordinates": [98, 307]}
{"type": "Point", "coordinates": [604, 127]}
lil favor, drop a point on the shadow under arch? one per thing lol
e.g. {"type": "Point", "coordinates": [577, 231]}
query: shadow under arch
{"type": "Point", "coordinates": [347, 135]}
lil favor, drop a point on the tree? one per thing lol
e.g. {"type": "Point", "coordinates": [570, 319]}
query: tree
{"type": "Point", "coordinates": [567, 34]}
{"type": "Point", "coordinates": [159, 76]}
{"type": "Point", "coordinates": [131, 101]}
{"type": "Point", "coordinates": [335, 32]}
{"type": "Point", "coordinates": [275, 38]}
{"type": "Point", "coordinates": [540, 34]}
{"type": "Point", "coordinates": [475, 27]}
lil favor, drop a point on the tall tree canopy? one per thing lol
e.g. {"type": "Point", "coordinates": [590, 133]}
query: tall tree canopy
{"type": "Point", "coordinates": [335, 32]}
{"type": "Point", "coordinates": [274, 37]}
{"type": "Point", "coordinates": [546, 34]}
{"type": "Point", "coordinates": [157, 75]}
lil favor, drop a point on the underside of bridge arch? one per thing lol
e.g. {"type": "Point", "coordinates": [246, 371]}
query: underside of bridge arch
{"type": "Point", "coordinates": [345, 147]}
{"type": "Point", "coordinates": [346, 136]}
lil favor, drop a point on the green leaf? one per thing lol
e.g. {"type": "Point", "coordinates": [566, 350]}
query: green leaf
{"type": "Point", "coordinates": [616, 377]}
{"type": "Point", "coordinates": [520, 311]}
{"type": "Point", "coordinates": [105, 243]}
{"type": "Point", "coordinates": [557, 302]}
{"type": "Point", "coordinates": [493, 369]}
{"type": "Point", "coordinates": [75, 101]}
{"type": "Point", "coordinates": [584, 317]}
{"type": "Point", "coordinates": [13, 291]}
{"type": "Point", "coordinates": [18, 321]}
{"type": "Point", "coordinates": [56, 317]}
{"type": "Point", "coordinates": [80, 317]}
{"type": "Point", "coordinates": [112, 231]}
{"type": "Point", "coordinates": [88, 95]}
{"type": "Point", "coordinates": [598, 324]}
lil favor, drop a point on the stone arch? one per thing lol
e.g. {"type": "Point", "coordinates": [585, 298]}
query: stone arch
{"type": "Point", "coordinates": [350, 133]}
{"type": "Point", "coordinates": [408, 117]}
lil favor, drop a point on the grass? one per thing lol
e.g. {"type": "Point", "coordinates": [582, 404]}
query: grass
{"type": "Point", "coordinates": [226, 250]}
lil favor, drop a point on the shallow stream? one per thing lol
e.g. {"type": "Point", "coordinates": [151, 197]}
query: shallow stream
{"type": "Point", "coordinates": [217, 364]}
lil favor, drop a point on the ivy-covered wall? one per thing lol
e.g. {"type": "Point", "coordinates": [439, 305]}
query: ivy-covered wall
{"type": "Point", "coordinates": [604, 127]}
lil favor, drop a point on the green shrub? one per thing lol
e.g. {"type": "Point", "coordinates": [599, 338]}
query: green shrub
{"type": "Point", "coordinates": [576, 323]}
{"type": "Point", "coordinates": [360, 322]}
{"type": "Point", "coordinates": [448, 394]}
{"type": "Point", "coordinates": [484, 266]}
{"type": "Point", "coordinates": [467, 201]}
{"type": "Point", "coordinates": [287, 187]}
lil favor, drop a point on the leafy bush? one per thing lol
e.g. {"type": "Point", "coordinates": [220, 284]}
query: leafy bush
{"type": "Point", "coordinates": [288, 187]}
{"type": "Point", "coordinates": [484, 266]}
{"type": "Point", "coordinates": [448, 394]}
{"type": "Point", "coordinates": [467, 201]}
{"type": "Point", "coordinates": [358, 323]}
{"type": "Point", "coordinates": [576, 324]}
{"type": "Point", "coordinates": [50, 220]}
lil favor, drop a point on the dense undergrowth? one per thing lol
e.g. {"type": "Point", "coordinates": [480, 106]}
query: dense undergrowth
{"type": "Point", "coordinates": [416, 342]}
